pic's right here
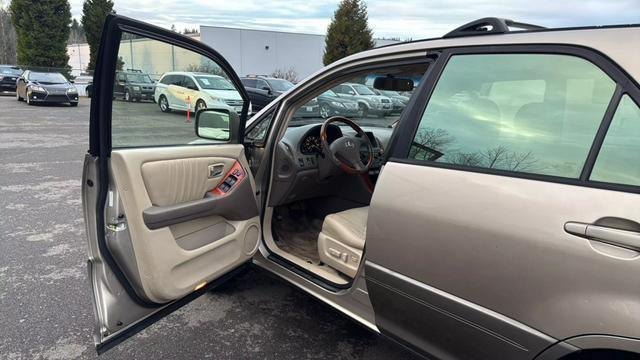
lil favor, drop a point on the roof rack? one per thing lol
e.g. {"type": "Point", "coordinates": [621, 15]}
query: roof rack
{"type": "Point", "coordinates": [489, 26]}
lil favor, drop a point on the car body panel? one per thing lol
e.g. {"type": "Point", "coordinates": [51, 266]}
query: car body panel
{"type": "Point", "coordinates": [524, 265]}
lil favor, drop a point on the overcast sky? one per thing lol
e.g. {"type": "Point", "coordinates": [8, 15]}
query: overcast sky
{"type": "Point", "coordinates": [388, 18]}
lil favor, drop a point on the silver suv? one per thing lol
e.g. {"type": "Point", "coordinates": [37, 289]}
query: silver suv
{"type": "Point", "coordinates": [495, 217]}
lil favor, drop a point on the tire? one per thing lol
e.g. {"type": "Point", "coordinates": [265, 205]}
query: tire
{"type": "Point", "coordinates": [200, 104]}
{"type": "Point", "coordinates": [324, 111]}
{"type": "Point", "coordinates": [363, 111]}
{"type": "Point", "coordinates": [73, 104]}
{"type": "Point", "coordinates": [127, 96]}
{"type": "Point", "coordinates": [164, 104]}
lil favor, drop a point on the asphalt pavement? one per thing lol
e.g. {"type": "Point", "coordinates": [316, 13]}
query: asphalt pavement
{"type": "Point", "coordinates": [45, 303]}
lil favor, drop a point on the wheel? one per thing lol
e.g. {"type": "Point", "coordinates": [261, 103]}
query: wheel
{"type": "Point", "coordinates": [164, 104]}
{"type": "Point", "coordinates": [324, 111]}
{"type": "Point", "coordinates": [200, 105]}
{"type": "Point", "coordinates": [74, 104]}
{"type": "Point", "coordinates": [127, 96]}
{"type": "Point", "coordinates": [18, 96]}
{"type": "Point", "coordinates": [363, 111]}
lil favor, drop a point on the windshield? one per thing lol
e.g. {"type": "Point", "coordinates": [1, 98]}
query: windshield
{"type": "Point", "coordinates": [280, 85]}
{"type": "Point", "coordinates": [214, 83]}
{"type": "Point", "coordinates": [49, 78]}
{"type": "Point", "coordinates": [139, 78]}
{"type": "Point", "coordinates": [10, 71]}
{"type": "Point", "coordinates": [363, 90]}
{"type": "Point", "coordinates": [337, 99]}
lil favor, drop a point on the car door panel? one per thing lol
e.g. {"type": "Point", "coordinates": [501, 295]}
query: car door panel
{"type": "Point", "coordinates": [183, 175]}
{"type": "Point", "coordinates": [510, 233]}
{"type": "Point", "coordinates": [163, 218]}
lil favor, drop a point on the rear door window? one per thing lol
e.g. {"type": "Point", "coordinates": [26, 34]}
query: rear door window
{"type": "Point", "coordinates": [531, 113]}
{"type": "Point", "coordinates": [617, 161]}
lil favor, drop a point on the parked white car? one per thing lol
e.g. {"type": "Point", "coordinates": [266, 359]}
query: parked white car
{"type": "Point", "coordinates": [195, 91]}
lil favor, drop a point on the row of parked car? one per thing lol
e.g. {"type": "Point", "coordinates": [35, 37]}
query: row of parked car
{"type": "Point", "coordinates": [347, 99]}
{"type": "Point", "coordinates": [194, 91]}
{"type": "Point", "coordinates": [38, 87]}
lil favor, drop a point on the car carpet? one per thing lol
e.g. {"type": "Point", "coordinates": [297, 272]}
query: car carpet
{"type": "Point", "coordinates": [297, 234]}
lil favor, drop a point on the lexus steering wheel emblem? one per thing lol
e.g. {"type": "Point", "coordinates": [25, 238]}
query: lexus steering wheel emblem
{"type": "Point", "coordinates": [349, 145]}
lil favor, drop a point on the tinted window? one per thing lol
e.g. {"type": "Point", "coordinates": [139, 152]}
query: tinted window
{"type": "Point", "coordinates": [280, 85]}
{"type": "Point", "coordinates": [249, 83]}
{"type": "Point", "coordinates": [261, 84]}
{"type": "Point", "coordinates": [167, 79]}
{"type": "Point", "coordinates": [529, 113]}
{"type": "Point", "coordinates": [618, 159]}
{"type": "Point", "coordinates": [189, 83]}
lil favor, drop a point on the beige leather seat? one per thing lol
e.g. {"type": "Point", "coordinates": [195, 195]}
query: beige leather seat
{"type": "Point", "coordinates": [341, 240]}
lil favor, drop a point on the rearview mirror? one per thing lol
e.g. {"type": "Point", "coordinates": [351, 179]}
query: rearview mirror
{"type": "Point", "coordinates": [393, 84]}
{"type": "Point", "coordinates": [217, 124]}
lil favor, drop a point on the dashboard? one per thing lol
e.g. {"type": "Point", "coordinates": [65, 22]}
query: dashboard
{"type": "Point", "coordinates": [302, 171]}
{"type": "Point", "coordinates": [305, 149]}
{"type": "Point", "coordinates": [310, 143]}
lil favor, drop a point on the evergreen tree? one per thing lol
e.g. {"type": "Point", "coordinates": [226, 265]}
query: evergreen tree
{"type": "Point", "coordinates": [94, 13]}
{"type": "Point", "coordinates": [42, 29]}
{"type": "Point", "coordinates": [348, 32]}
{"type": "Point", "coordinates": [76, 34]}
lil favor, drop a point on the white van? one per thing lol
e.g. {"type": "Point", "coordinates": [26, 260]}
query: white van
{"type": "Point", "coordinates": [200, 90]}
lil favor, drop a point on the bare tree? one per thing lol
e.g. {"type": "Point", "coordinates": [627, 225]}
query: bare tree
{"type": "Point", "coordinates": [290, 75]}
{"type": "Point", "coordinates": [7, 37]}
{"type": "Point", "coordinates": [207, 67]}
{"type": "Point", "coordinates": [494, 157]}
{"type": "Point", "coordinates": [429, 143]}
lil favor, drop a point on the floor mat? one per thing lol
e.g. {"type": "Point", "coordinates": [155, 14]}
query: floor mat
{"type": "Point", "coordinates": [298, 235]}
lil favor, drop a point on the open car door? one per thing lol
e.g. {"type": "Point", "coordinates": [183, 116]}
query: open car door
{"type": "Point", "coordinates": [168, 214]}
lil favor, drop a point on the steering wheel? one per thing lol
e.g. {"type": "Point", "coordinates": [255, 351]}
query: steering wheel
{"type": "Point", "coordinates": [345, 151]}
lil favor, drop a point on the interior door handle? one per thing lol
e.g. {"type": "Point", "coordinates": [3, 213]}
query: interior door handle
{"type": "Point", "coordinates": [623, 238]}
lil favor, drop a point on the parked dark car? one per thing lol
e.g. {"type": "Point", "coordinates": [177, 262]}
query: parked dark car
{"type": "Point", "coordinates": [8, 76]}
{"type": "Point", "coordinates": [45, 87]}
{"type": "Point", "coordinates": [263, 89]}
{"type": "Point", "coordinates": [330, 104]}
{"type": "Point", "coordinates": [89, 89]}
{"type": "Point", "coordinates": [133, 85]}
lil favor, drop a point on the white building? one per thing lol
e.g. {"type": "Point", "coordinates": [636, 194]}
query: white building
{"type": "Point", "coordinates": [248, 51]}
{"type": "Point", "coordinates": [263, 52]}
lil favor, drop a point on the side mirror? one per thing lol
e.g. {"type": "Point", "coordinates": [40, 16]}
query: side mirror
{"type": "Point", "coordinates": [72, 81]}
{"type": "Point", "coordinates": [217, 124]}
{"type": "Point", "coordinates": [267, 89]}
{"type": "Point", "coordinates": [351, 92]}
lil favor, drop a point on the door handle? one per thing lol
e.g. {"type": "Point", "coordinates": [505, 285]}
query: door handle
{"type": "Point", "coordinates": [617, 237]}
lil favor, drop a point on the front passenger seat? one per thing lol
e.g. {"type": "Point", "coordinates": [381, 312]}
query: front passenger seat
{"type": "Point", "coordinates": [341, 241]}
